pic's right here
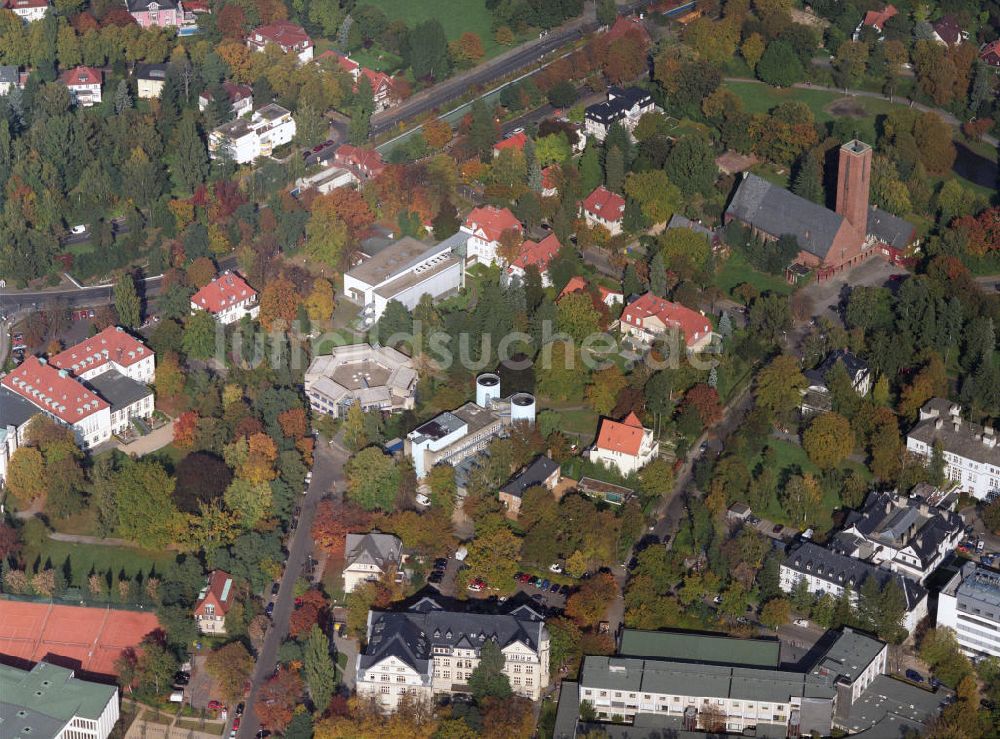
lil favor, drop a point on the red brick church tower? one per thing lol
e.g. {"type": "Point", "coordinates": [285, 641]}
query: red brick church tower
{"type": "Point", "coordinates": [853, 182]}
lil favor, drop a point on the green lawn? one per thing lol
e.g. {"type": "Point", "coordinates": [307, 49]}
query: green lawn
{"type": "Point", "coordinates": [83, 557]}
{"type": "Point", "coordinates": [84, 247]}
{"type": "Point", "coordinates": [473, 17]}
{"type": "Point", "coordinates": [737, 270]}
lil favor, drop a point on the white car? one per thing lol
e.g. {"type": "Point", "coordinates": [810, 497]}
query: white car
{"type": "Point", "coordinates": [801, 622]}
{"type": "Point", "coordinates": [556, 568]}
{"type": "Point", "coordinates": [78, 229]}
{"type": "Point", "coordinates": [423, 500]}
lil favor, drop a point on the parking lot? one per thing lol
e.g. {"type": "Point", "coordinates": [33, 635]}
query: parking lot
{"type": "Point", "coordinates": [445, 570]}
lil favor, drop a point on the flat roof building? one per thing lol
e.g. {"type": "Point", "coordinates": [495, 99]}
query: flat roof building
{"type": "Point", "coordinates": [380, 379]}
{"type": "Point", "coordinates": [969, 605]}
{"type": "Point", "coordinates": [48, 702]}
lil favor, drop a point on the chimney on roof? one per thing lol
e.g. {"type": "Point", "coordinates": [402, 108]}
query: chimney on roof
{"type": "Point", "coordinates": [938, 424]}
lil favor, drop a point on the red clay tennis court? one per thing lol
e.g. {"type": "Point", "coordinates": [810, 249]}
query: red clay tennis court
{"type": "Point", "coordinates": [92, 637]}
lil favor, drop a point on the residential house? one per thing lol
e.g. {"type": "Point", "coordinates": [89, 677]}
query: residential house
{"type": "Point", "coordinates": [537, 253]}
{"type": "Point", "coordinates": [50, 702]}
{"type": "Point", "coordinates": [550, 181]}
{"type": "Point", "coordinates": [969, 605]}
{"type": "Point", "coordinates": [606, 295]}
{"type": "Point", "coordinates": [542, 472]}
{"type": "Point", "coordinates": [738, 512]}
{"type": "Point", "coordinates": [27, 10]}
{"type": "Point", "coordinates": [365, 163]}
{"type": "Point", "coordinates": [383, 90]}
{"type": "Point", "coordinates": [649, 317]}
{"type": "Point", "coordinates": [484, 226]}
{"type": "Point", "coordinates": [379, 379]}
{"type": "Point", "coordinates": [990, 53]}
{"type": "Point", "coordinates": [876, 19]}
{"type": "Point", "coordinates": [243, 140]}
{"type": "Point", "coordinates": [900, 534]}
{"type": "Point", "coordinates": [816, 397]}
{"type": "Point", "coordinates": [604, 208]}
{"type": "Point", "coordinates": [84, 85]}
{"type": "Point", "coordinates": [9, 77]}
{"type": "Point", "coordinates": [829, 240]}
{"type": "Point", "coordinates": [827, 571]}
{"type": "Point", "coordinates": [971, 456]}
{"type": "Point", "coordinates": [149, 79]}
{"type": "Point", "coordinates": [948, 31]}
{"type": "Point", "coordinates": [290, 37]}
{"type": "Point", "coordinates": [513, 142]}
{"type": "Point", "coordinates": [624, 445]}
{"type": "Point", "coordinates": [112, 350]}
{"type": "Point", "coordinates": [454, 436]}
{"type": "Point", "coordinates": [369, 556]}
{"type": "Point", "coordinates": [427, 650]}
{"type": "Point", "coordinates": [623, 107]}
{"type": "Point", "coordinates": [240, 98]}
{"type": "Point", "coordinates": [156, 13]}
{"type": "Point", "coordinates": [405, 271]}
{"type": "Point", "coordinates": [214, 602]}
{"type": "Point", "coordinates": [228, 298]}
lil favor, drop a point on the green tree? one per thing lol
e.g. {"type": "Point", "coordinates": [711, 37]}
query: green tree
{"type": "Point", "coordinates": [494, 555]}
{"type": "Point", "coordinates": [780, 65]}
{"type": "Point", "coordinates": [156, 666]}
{"type": "Point", "coordinates": [310, 126]}
{"type": "Point", "coordinates": [145, 505]}
{"type": "Point", "coordinates": [808, 181]}
{"type": "Point", "coordinates": [190, 160]}
{"type": "Point", "coordinates": [591, 174]}
{"type": "Point", "coordinates": [318, 668]}
{"type": "Point", "coordinates": [779, 385]}
{"type": "Point", "coordinates": [487, 679]}
{"type": "Point", "coordinates": [482, 129]}
{"type": "Point", "coordinates": [326, 235]}
{"type": "Point", "coordinates": [614, 169]}
{"type": "Point", "coordinates": [230, 666]}
{"type": "Point", "coordinates": [658, 197]}
{"type": "Point", "coordinates": [576, 316]}
{"type": "Point", "coordinates": [691, 166]}
{"type": "Point", "coordinates": [199, 335]}
{"type": "Point", "coordinates": [776, 612]}
{"type": "Point", "coordinates": [127, 302]}
{"type": "Point", "coordinates": [355, 435]}
{"type": "Point", "coordinates": [373, 480]}
{"type": "Point", "coordinates": [829, 440]}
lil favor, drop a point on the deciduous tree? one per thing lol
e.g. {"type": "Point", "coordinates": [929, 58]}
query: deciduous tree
{"type": "Point", "coordinates": [230, 666]}
{"type": "Point", "coordinates": [829, 440]}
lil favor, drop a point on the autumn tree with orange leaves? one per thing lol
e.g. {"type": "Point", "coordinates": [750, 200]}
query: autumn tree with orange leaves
{"type": "Point", "coordinates": [275, 705]}
{"type": "Point", "coordinates": [334, 521]}
{"type": "Point", "coordinates": [311, 608]}
{"type": "Point", "coordinates": [278, 304]}
{"type": "Point", "coordinates": [185, 428]}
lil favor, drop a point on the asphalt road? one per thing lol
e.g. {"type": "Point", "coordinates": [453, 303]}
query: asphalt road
{"type": "Point", "coordinates": [503, 65]}
{"type": "Point", "coordinates": [328, 471]}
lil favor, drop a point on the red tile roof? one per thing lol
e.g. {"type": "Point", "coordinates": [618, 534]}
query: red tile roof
{"type": "Point", "coordinates": [549, 179]}
{"type": "Point", "coordinates": [605, 292]}
{"type": "Point", "coordinates": [236, 92]}
{"type": "Point", "coordinates": [284, 33]}
{"type": "Point", "coordinates": [515, 142]}
{"type": "Point", "coordinates": [492, 221]}
{"type": "Point", "coordinates": [623, 436]}
{"type": "Point", "coordinates": [54, 390]}
{"type": "Point", "coordinates": [113, 344]}
{"type": "Point", "coordinates": [218, 592]}
{"type": "Point", "coordinates": [575, 283]}
{"type": "Point", "coordinates": [878, 18]}
{"type": "Point", "coordinates": [604, 204]}
{"type": "Point", "coordinates": [224, 291]}
{"type": "Point", "coordinates": [93, 637]}
{"type": "Point", "coordinates": [673, 315]}
{"type": "Point", "coordinates": [368, 161]}
{"type": "Point", "coordinates": [991, 53]}
{"type": "Point", "coordinates": [538, 253]}
{"type": "Point", "coordinates": [341, 60]}
{"type": "Point", "coordinates": [81, 77]}
{"type": "Point", "coordinates": [377, 79]}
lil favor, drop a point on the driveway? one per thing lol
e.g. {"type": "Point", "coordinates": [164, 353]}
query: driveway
{"type": "Point", "coordinates": [151, 442]}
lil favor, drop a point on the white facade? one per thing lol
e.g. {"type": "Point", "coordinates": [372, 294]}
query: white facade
{"type": "Point", "coordinates": [969, 605]}
{"type": "Point", "coordinates": [28, 10]}
{"type": "Point", "coordinates": [328, 180]}
{"type": "Point", "coordinates": [234, 313]}
{"type": "Point", "coordinates": [628, 463]}
{"type": "Point", "coordinates": [121, 419]}
{"type": "Point", "coordinates": [85, 95]}
{"type": "Point", "coordinates": [50, 701]}
{"type": "Point", "coordinates": [624, 445]}
{"type": "Point", "coordinates": [244, 141]}
{"type": "Point", "coordinates": [971, 456]}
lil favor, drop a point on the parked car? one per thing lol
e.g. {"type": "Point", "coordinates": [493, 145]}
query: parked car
{"type": "Point", "coordinates": [554, 587]}
{"type": "Point", "coordinates": [215, 706]}
{"type": "Point", "coordinates": [777, 528]}
{"type": "Point", "coordinates": [80, 228]}
{"type": "Point", "coordinates": [269, 610]}
{"type": "Point", "coordinates": [545, 584]}
{"type": "Point", "coordinates": [556, 568]}
{"type": "Point", "coordinates": [801, 622]}
{"type": "Point", "coordinates": [564, 590]}
{"type": "Point", "coordinates": [239, 710]}
{"type": "Point", "coordinates": [275, 588]}
{"type": "Point", "coordinates": [423, 500]}
{"type": "Point", "coordinates": [177, 696]}
{"type": "Point", "coordinates": [236, 723]}
{"type": "Point", "coordinates": [435, 577]}
{"type": "Point", "coordinates": [914, 676]}
{"type": "Point", "coordinates": [441, 562]}
{"type": "Point", "coordinates": [518, 576]}
{"type": "Point", "coordinates": [980, 545]}
{"type": "Point", "coordinates": [476, 585]}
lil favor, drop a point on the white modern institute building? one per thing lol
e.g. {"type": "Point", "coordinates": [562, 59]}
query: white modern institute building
{"type": "Point", "coordinates": [426, 651]}
{"type": "Point", "coordinates": [971, 456]}
{"type": "Point", "coordinates": [381, 379]}
{"type": "Point", "coordinates": [244, 140]}
{"type": "Point", "coordinates": [969, 605]}
{"type": "Point", "coordinates": [405, 271]}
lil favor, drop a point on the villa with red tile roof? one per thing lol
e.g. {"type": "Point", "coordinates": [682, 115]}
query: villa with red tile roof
{"type": "Point", "coordinates": [214, 602]}
{"type": "Point", "coordinates": [364, 163]}
{"type": "Point", "coordinates": [604, 208]}
{"type": "Point", "coordinates": [550, 181]}
{"type": "Point", "coordinates": [290, 37]}
{"type": "Point", "coordinates": [112, 350]}
{"type": "Point", "coordinates": [27, 10]}
{"type": "Point", "coordinates": [515, 142]}
{"type": "Point", "coordinates": [383, 91]}
{"type": "Point", "coordinates": [484, 225]}
{"type": "Point", "coordinates": [538, 253]}
{"type": "Point", "coordinates": [624, 445]}
{"type": "Point", "coordinates": [649, 317]}
{"type": "Point", "coordinates": [228, 297]}
{"type": "Point", "coordinates": [156, 13]}
{"type": "Point", "coordinates": [84, 85]}
{"type": "Point", "coordinates": [607, 296]}
{"type": "Point", "coordinates": [876, 19]}
{"type": "Point", "coordinates": [948, 30]}
{"type": "Point", "coordinates": [990, 53]}
{"type": "Point", "coordinates": [62, 397]}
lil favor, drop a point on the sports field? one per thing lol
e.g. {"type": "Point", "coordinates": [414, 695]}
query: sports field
{"type": "Point", "coordinates": [456, 16]}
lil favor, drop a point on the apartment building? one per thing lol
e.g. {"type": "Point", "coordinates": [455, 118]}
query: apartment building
{"type": "Point", "coordinates": [624, 106]}
{"type": "Point", "coordinates": [27, 10]}
{"type": "Point", "coordinates": [428, 650]}
{"type": "Point", "coordinates": [245, 140]}
{"type": "Point", "coordinates": [969, 605]}
{"type": "Point", "coordinates": [971, 457]}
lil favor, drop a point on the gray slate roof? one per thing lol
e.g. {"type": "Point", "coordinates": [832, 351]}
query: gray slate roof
{"type": "Point", "coordinates": [8, 74]}
{"type": "Point", "coordinates": [966, 441]}
{"type": "Point", "coordinates": [619, 102]}
{"type": "Point", "coordinates": [140, 6]}
{"type": "Point", "coordinates": [156, 72]}
{"type": "Point", "coordinates": [14, 410]}
{"type": "Point", "coordinates": [412, 635]}
{"type": "Point", "coordinates": [374, 548]}
{"type": "Point", "coordinates": [535, 473]}
{"type": "Point", "coordinates": [119, 390]}
{"type": "Point", "coordinates": [777, 211]}
{"type": "Point", "coordinates": [852, 363]}
{"type": "Point", "coordinates": [889, 229]}
{"type": "Point", "coordinates": [841, 570]}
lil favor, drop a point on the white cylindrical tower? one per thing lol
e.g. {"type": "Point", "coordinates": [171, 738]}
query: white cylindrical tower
{"type": "Point", "coordinates": [522, 408]}
{"type": "Point", "coordinates": [487, 389]}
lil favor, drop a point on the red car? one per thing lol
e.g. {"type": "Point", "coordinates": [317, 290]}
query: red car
{"type": "Point", "coordinates": [236, 723]}
{"type": "Point", "coordinates": [215, 706]}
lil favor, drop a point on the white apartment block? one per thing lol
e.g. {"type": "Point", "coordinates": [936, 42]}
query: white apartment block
{"type": "Point", "coordinates": [113, 349]}
{"type": "Point", "coordinates": [427, 651]}
{"type": "Point", "coordinates": [969, 605]}
{"type": "Point", "coordinates": [245, 140]}
{"type": "Point", "coordinates": [971, 456]}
